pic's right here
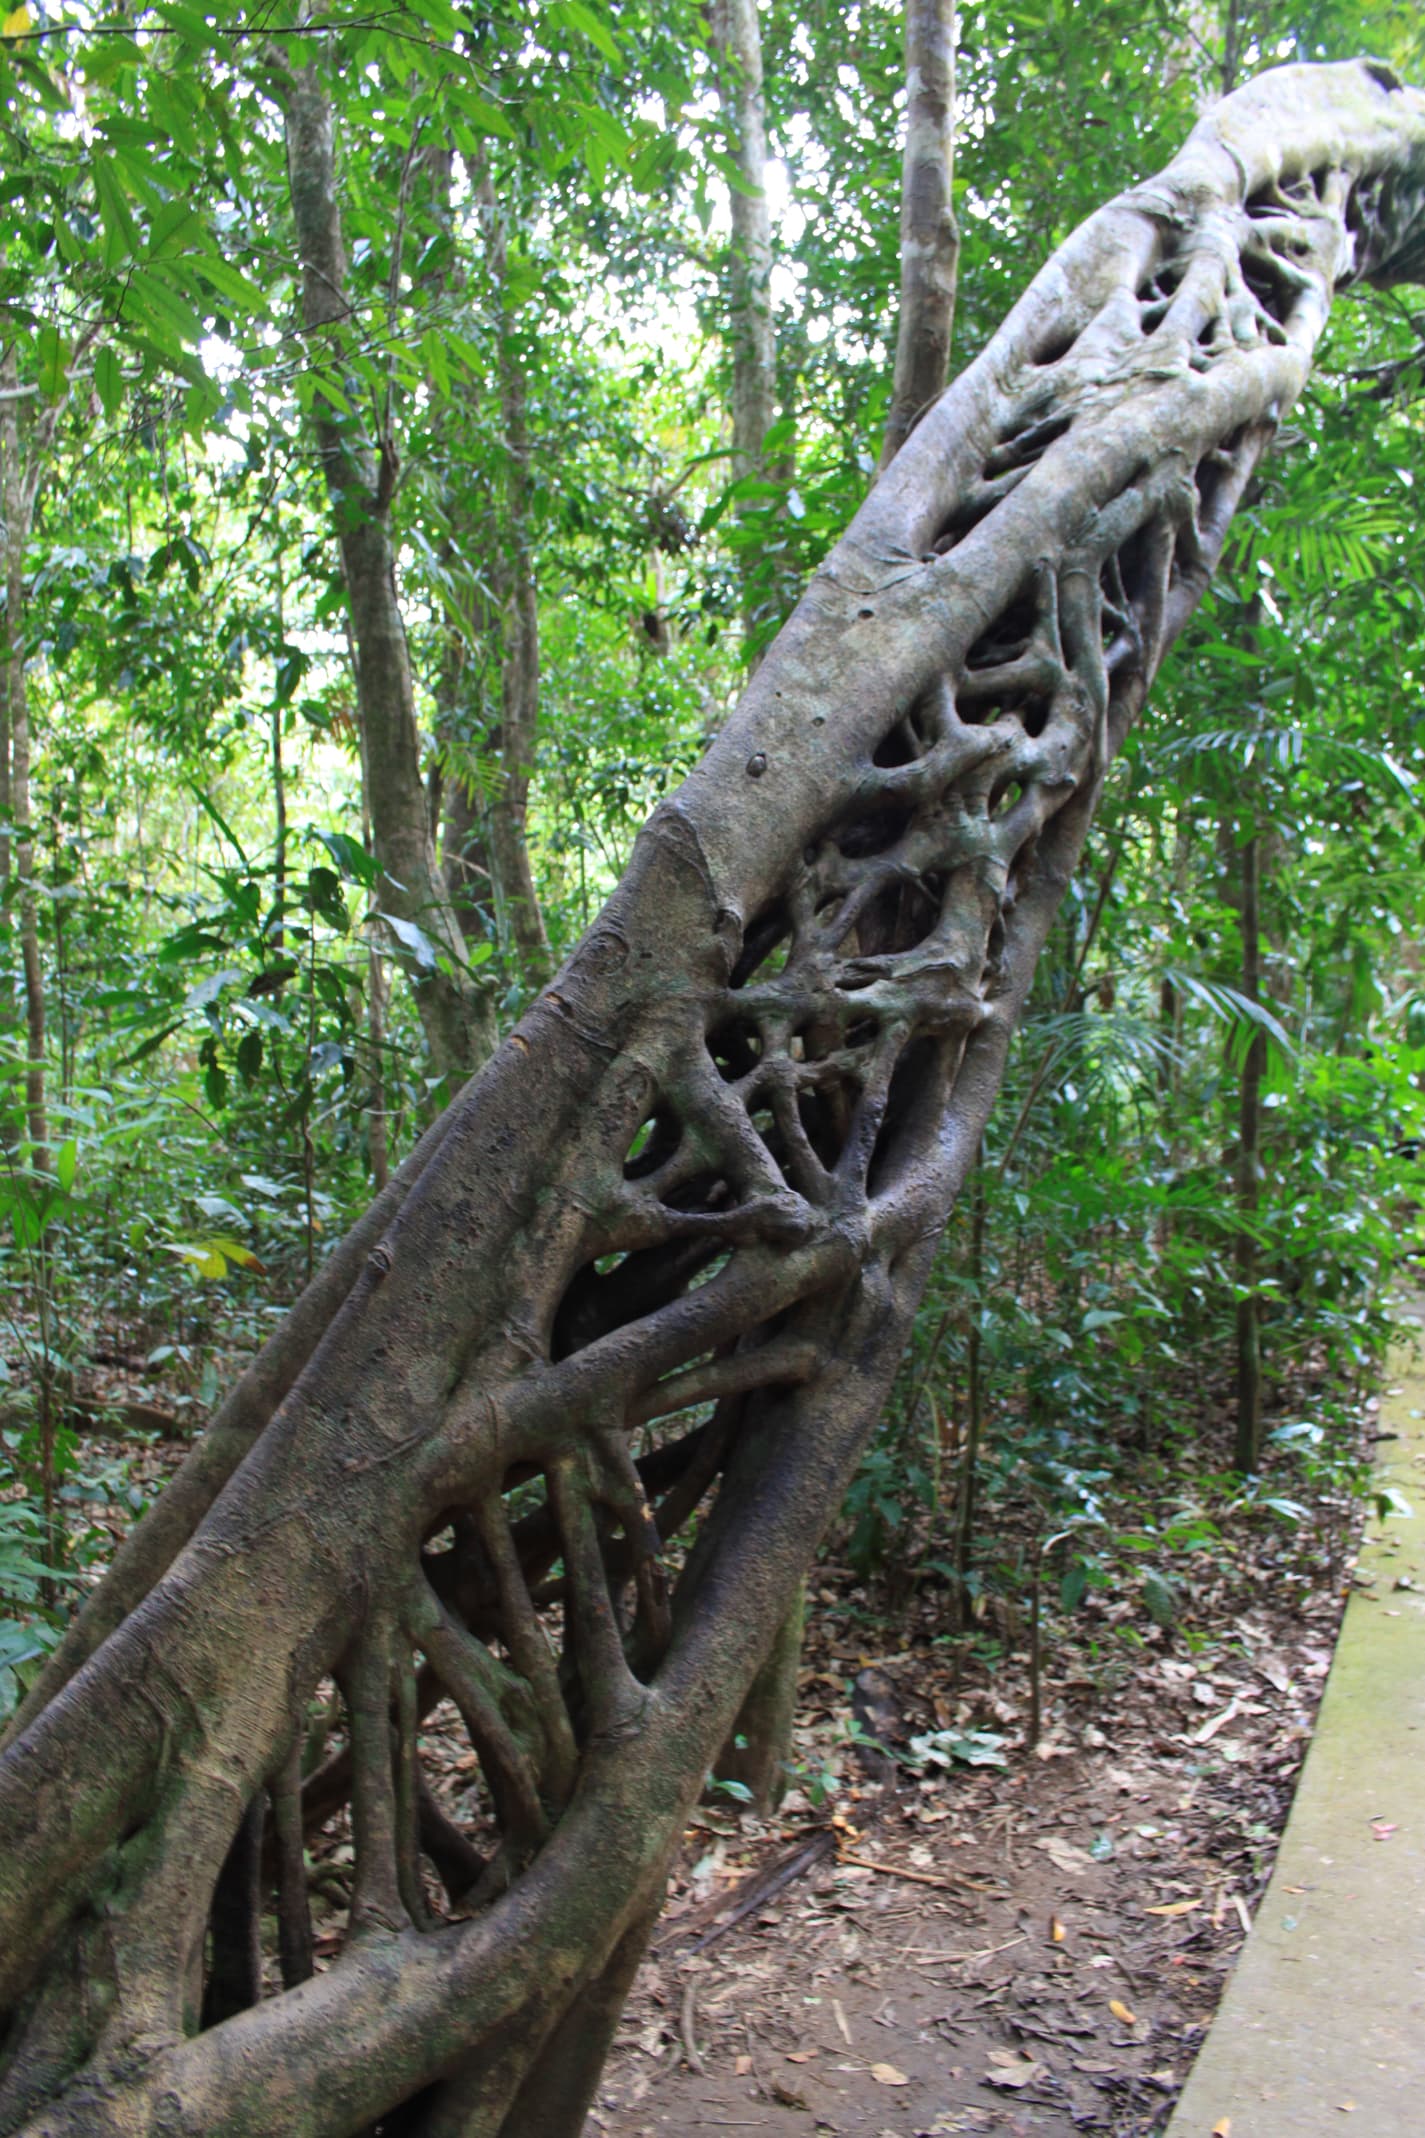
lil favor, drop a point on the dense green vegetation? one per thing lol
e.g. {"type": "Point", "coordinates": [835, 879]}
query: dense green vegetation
{"type": "Point", "coordinates": [209, 1034]}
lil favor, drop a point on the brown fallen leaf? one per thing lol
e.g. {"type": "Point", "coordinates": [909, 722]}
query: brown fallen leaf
{"type": "Point", "coordinates": [801, 2056]}
{"type": "Point", "coordinates": [1056, 1931]}
{"type": "Point", "coordinates": [1175, 1907]}
{"type": "Point", "coordinates": [887, 2075]}
{"type": "Point", "coordinates": [1064, 1855]}
{"type": "Point", "coordinates": [1121, 2012]}
{"type": "Point", "coordinates": [741, 2067]}
{"type": "Point", "coordinates": [1210, 1728]}
{"type": "Point", "coordinates": [1012, 2069]}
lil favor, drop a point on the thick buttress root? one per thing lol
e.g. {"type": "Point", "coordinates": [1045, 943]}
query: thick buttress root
{"type": "Point", "coordinates": [663, 1261]}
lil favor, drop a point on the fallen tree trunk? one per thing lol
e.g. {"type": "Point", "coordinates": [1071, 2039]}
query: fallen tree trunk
{"type": "Point", "coordinates": [700, 1184]}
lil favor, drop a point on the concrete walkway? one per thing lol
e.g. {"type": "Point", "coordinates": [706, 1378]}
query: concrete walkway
{"type": "Point", "coordinates": [1322, 2028]}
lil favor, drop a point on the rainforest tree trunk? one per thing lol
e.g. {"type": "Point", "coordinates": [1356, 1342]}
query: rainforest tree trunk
{"type": "Point", "coordinates": [737, 45]}
{"type": "Point", "coordinates": [507, 812]}
{"type": "Point", "coordinates": [698, 1189]}
{"type": "Point", "coordinates": [464, 722]}
{"type": "Point", "coordinates": [20, 471]}
{"type": "Point", "coordinates": [930, 237]}
{"type": "Point", "coordinates": [1248, 1447]}
{"type": "Point", "coordinates": [456, 1012]}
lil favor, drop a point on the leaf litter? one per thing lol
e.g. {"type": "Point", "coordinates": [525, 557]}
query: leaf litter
{"type": "Point", "coordinates": [1033, 1950]}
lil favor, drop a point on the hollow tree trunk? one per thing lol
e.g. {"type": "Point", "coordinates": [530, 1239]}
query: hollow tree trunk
{"type": "Point", "coordinates": [456, 1012]}
{"type": "Point", "coordinates": [709, 1168]}
{"type": "Point", "coordinates": [758, 1752]}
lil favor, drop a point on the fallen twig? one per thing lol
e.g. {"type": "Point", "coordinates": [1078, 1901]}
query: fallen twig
{"type": "Point", "coordinates": [986, 1952]}
{"type": "Point", "coordinates": [754, 1891]}
{"type": "Point", "coordinates": [895, 1870]}
{"type": "Point", "coordinates": [688, 2025]}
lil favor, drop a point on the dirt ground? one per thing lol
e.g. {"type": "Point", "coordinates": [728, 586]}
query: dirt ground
{"type": "Point", "coordinates": [1032, 1949]}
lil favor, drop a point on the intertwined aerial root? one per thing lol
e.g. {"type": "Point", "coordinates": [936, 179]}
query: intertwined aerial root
{"type": "Point", "coordinates": [671, 1239]}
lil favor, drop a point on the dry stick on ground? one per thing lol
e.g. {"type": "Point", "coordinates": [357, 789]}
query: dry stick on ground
{"type": "Point", "coordinates": [897, 1870]}
{"type": "Point", "coordinates": [734, 1123]}
{"type": "Point", "coordinates": [773, 1878]}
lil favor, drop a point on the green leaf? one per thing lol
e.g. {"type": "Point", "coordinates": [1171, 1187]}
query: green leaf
{"type": "Point", "coordinates": [210, 810]}
{"type": "Point", "coordinates": [728, 168]}
{"type": "Point", "coordinates": [232, 285]}
{"type": "Point", "coordinates": [1161, 1598]}
{"type": "Point", "coordinates": [584, 19]}
{"type": "Point", "coordinates": [249, 1057]}
{"type": "Point", "coordinates": [603, 126]}
{"type": "Point", "coordinates": [351, 857]}
{"type": "Point", "coordinates": [720, 1785]}
{"type": "Point", "coordinates": [177, 227]}
{"type": "Point", "coordinates": [121, 236]}
{"type": "Point", "coordinates": [972, 1748]}
{"type": "Point", "coordinates": [198, 997]}
{"type": "Point", "coordinates": [412, 938]}
{"type": "Point", "coordinates": [149, 1046]}
{"type": "Point", "coordinates": [486, 118]}
{"type": "Point", "coordinates": [211, 1258]}
{"type": "Point", "coordinates": [67, 1164]}
{"type": "Point", "coordinates": [1389, 1502]}
{"type": "Point", "coordinates": [1232, 1007]}
{"type": "Point", "coordinates": [53, 353]}
{"type": "Point", "coordinates": [169, 317]}
{"type": "Point", "coordinates": [324, 896]}
{"type": "Point", "coordinates": [109, 380]}
{"type": "Point", "coordinates": [192, 21]}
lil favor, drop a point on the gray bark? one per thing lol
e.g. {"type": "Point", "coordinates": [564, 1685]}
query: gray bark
{"type": "Point", "coordinates": [463, 723]}
{"type": "Point", "coordinates": [507, 814]}
{"type": "Point", "coordinates": [930, 237]}
{"type": "Point", "coordinates": [737, 43]}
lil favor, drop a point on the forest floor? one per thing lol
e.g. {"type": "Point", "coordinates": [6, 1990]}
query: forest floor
{"type": "Point", "coordinates": [1036, 1948]}
{"type": "Point", "coordinates": [910, 1949]}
